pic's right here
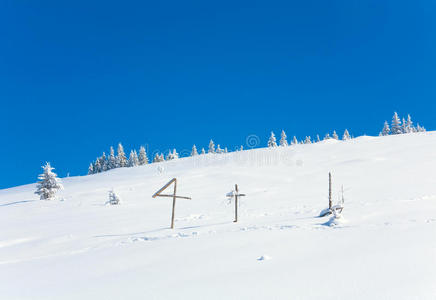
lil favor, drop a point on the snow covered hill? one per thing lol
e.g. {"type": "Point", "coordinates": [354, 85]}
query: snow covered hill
{"type": "Point", "coordinates": [77, 247]}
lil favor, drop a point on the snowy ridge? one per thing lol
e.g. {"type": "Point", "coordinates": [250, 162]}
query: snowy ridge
{"type": "Point", "coordinates": [76, 247]}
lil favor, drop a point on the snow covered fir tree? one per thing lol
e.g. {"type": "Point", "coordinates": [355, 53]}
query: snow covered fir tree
{"type": "Point", "coordinates": [283, 139]}
{"type": "Point", "coordinates": [143, 159]}
{"type": "Point", "coordinates": [272, 141]}
{"type": "Point", "coordinates": [48, 183]}
{"type": "Point", "coordinates": [399, 126]}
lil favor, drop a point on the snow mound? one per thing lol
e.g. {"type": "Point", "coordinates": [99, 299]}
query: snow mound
{"type": "Point", "coordinates": [335, 221]}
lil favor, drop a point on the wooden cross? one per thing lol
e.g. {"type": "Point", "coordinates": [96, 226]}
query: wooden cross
{"type": "Point", "coordinates": [235, 194]}
{"type": "Point", "coordinates": [158, 194]}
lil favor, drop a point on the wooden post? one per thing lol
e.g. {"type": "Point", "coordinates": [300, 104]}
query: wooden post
{"type": "Point", "coordinates": [174, 204]}
{"type": "Point", "coordinates": [236, 204]}
{"type": "Point", "coordinates": [235, 194]}
{"type": "Point", "coordinates": [330, 190]}
{"type": "Point", "coordinates": [342, 199]}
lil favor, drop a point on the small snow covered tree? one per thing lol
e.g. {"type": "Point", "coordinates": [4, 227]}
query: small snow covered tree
{"type": "Point", "coordinates": [97, 166]}
{"type": "Point", "coordinates": [317, 138]}
{"type": "Point", "coordinates": [133, 159]}
{"type": "Point", "coordinates": [130, 160]}
{"type": "Point", "coordinates": [161, 157]}
{"type": "Point", "coordinates": [226, 150]}
{"type": "Point", "coordinates": [307, 140]}
{"type": "Point", "coordinates": [169, 156]}
{"type": "Point", "coordinates": [121, 157]}
{"type": "Point", "coordinates": [272, 141]}
{"type": "Point", "coordinates": [346, 135]}
{"type": "Point", "coordinates": [403, 126]}
{"type": "Point", "coordinates": [91, 169]}
{"type": "Point", "coordinates": [172, 155]}
{"type": "Point", "coordinates": [294, 141]}
{"type": "Point", "coordinates": [156, 158]}
{"type": "Point", "coordinates": [219, 150]}
{"type": "Point", "coordinates": [396, 125]}
{"type": "Point", "coordinates": [114, 199]}
{"type": "Point", "coordinates": [48, 183]}
{"type": "Point", "coordinates": [409, 125]}
{"type": "Point", "coordinates": [194, 151]}
{"type": "Point", "coordinates": [386, 130]}
{"type": "Point", "coordinates": [327, 137]}
{"type": "Point", "coordinates": [175, 154]}
{"type": "Point", "coordinates": [419, 128]}
{"type": "Point", "coordinates": [142, 158]}
{"type": "Point", "coordinates": [283, 139]}
{"type": "Point", "coordinates": [335, 135]}
{"type": "Point", "coordinates": [242, 148]}
{"type": "Point", "coordinates": [211, 147]}
{"type": "Point", "coordinates": [111, 160]}
{"type": "Point", "coordinates": [203, 151]}
{"type": "Point", "coordinates": [103, 163]}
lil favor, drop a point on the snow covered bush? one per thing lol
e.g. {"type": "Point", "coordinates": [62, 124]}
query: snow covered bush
{"type": "Point", "coordinates": [336, 218]}
{"type": "Point", "coordinates": [114, 199]}
{"type": "Point", "coordinates": [49, 184]}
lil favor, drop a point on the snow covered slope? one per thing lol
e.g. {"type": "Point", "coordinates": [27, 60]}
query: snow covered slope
{"type": "Point", "coordinates": [79, 248]}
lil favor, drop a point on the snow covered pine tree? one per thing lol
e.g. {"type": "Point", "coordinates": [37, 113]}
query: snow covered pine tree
{"type": "Point", "coordinates": [194, 151]}
{"type": "Point", "coordinates": [91, 169]}
{"type": "Point", "coordinates": [49, 184]}
{"type": "Point", "coordinates": [346, 135]}
{"type": "Point", "coordinates": [211, 147]}
{"type": "Point", "coordinates": [121, 158]}
{"type": "Point", "coordinates": [386, 130]}
{"type": "Point", "coordinates": [156, 158]}
{"type": "Point", "coordinates": [272, 141]}
{"type": "Point", "coordinates": [294, 141]}
{"type": "Point", "coordinates": [133, 159]}
{"type": "Point", "coordinates": [111, 161]}
{"type": "Point", "coordinates": [283, 139]}
{"type": "Point", "coordinates": [143, 159]}
{"type": "Point", "coordinates": [396, 125]}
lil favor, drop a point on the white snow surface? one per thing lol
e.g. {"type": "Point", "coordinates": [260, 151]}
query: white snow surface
{"type": "Point", "coordinates": [78, 248]}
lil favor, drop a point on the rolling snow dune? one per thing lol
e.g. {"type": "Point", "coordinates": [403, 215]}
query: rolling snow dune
{"type": "Point", "coordinates": [76, 247]}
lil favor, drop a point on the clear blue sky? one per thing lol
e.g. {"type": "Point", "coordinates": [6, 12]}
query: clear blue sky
{"type": "Point", "coordinates": [79, 76]}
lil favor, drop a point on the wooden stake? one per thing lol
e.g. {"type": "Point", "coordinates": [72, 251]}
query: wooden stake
{"type": "Point", "coordinates": [236, 204]}
{"type": "Point", "coordinates": [235, 194]}
{"type": "Point", "coordinates": [174, 204]}
{"type": "Point", "coordinates": [330, 190]}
